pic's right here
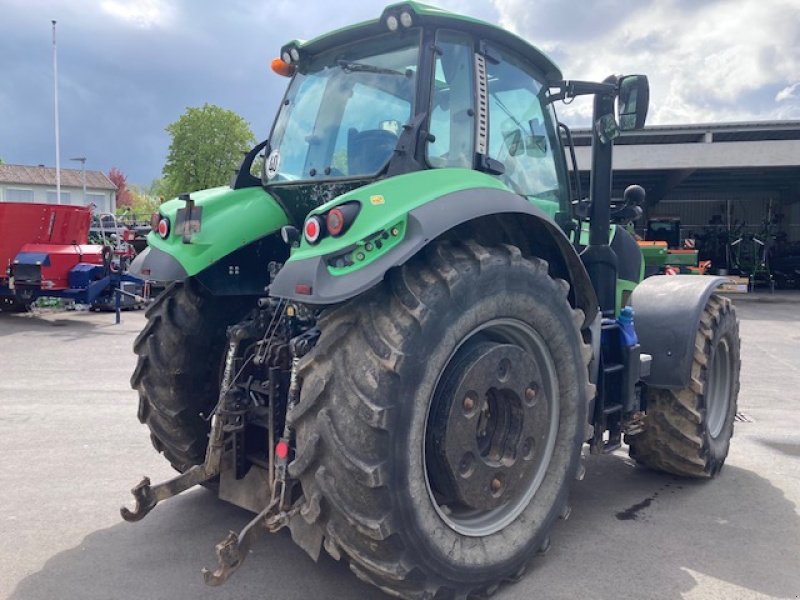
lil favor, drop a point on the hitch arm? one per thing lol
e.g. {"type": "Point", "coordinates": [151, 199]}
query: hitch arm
{"type": "Point", "coordinates": [232, 551]}
{"type": "Point", "coordinates": [147, 496]}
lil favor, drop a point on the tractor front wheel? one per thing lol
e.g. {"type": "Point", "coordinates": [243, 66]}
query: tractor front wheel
{"type": "Point", "coordinates": [441, 419]}
{"type": "Point", "coordinates": [689, 430]}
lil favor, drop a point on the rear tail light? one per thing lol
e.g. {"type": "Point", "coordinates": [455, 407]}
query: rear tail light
{"type": "Point", "coordinates": [339, 219]}
{"type": "Point", "coordinates": [163, 228]}
{"type": "Point", "coordinates": [335, 222]}
{"type": "Point", "coordinates": [313, 229]}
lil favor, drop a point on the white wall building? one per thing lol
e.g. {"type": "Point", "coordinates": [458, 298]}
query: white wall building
{"type": "Point", "coordinates": [21, 183]}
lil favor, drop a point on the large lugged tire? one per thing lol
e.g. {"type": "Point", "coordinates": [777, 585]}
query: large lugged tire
{"type": "Point", "coordinates": [466, 350]}
{"type": "Point", "coordinates": [688, 431]}
{"type": "Point", "coordinates": [178, 372]}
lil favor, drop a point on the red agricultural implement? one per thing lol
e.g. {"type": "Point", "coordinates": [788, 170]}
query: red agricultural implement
{"type": "Point", "coordinates": [44, 251]}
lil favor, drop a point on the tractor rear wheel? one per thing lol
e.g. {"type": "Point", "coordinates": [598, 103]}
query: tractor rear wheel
{"type": "Point", "coordinates": [178, 371]}
{"type": "Point", "coordinates": [441, 420]}
{"type": "Point", "coordinates": [689, 431]}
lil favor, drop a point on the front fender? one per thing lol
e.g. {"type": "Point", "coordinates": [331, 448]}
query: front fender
{"type": "Point", "coordinates": [403, 219]}
{"type": "Point", "coordinates": [229, 220]}
{"type": "Point", "coordinates": [667, 314]}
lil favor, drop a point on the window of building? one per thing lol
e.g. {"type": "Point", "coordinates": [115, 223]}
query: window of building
{"type": "Point", "coordinates": [52, 197]}
{"type": "Point", "coordinates": [99, 200]}
{"type": "Point", "coordinates": [18, 195]}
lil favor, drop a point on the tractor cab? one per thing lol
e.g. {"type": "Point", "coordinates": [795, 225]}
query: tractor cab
{"type": "Point", "coordinates": [417, 89]}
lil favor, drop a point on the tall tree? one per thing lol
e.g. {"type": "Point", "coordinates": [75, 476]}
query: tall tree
{"type": "Point", "coordinates": [207, 145]}
{"type": "Point", "coordinates": [124, 196]}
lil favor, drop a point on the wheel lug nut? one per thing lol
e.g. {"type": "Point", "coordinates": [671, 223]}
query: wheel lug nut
{"type": "Point", "coordinates": [530, 393]}
{"type": "Point", "coordinates": [469, 403]}
{"type": "Point", "coordinates": [496, 485]}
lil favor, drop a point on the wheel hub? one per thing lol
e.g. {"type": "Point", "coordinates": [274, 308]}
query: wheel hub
{"type": "Point", "coordinates": [489, 427]}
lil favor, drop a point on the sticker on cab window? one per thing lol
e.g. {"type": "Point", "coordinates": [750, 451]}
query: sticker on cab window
{"type": "Point", "coordinates": [273, 163]}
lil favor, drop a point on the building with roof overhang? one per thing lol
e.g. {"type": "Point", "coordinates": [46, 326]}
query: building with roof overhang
{"type": "Point", "coordinates": [23, 183]}
{"type": "Point", "coordinates": [732, 174]}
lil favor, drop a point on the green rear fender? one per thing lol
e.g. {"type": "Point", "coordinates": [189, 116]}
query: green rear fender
{"type": "Point", "coordinates": [401, 215]}
{"type": "Point", "coordinates": [229, 220]}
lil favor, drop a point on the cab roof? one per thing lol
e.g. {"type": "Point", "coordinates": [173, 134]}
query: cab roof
{"type": "Point", "coordinates": [427, 15]}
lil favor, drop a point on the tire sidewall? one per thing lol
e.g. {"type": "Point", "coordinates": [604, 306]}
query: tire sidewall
{"type": "Point", "coordinates": [725, 329]}
{"type": "Point", "coordinates": [523, 292]}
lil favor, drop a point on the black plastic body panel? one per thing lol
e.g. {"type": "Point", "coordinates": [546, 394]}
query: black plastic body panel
{"type": "Point", "coordinates": [629, 256]}
{"type": "Point", "coordinates": [155, 265]}
{"type": "Point", "coordinates": [243, 272]}
{"type": "Point", "coordinates": [667, 314]}
{"type": "Point", "coordinates": [426, 223]}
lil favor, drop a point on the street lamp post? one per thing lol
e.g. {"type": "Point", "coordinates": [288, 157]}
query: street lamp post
{"type": "Point", "coordinates": [82, 160]}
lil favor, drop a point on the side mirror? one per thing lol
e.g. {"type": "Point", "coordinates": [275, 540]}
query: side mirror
{"type": "Point", "coordinates": [634, 98]}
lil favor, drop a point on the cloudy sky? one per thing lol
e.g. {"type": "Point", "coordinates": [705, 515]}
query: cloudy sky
{"type": "Point", "coordinates": [128, 68]}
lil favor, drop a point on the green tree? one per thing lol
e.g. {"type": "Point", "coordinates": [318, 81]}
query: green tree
{"type": "Point", "coordinates": [143, 205]}
{"type": "Point", "coordinates": [207, 145]}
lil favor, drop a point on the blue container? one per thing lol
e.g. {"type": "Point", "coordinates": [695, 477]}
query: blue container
{"type": "Point", "coordinates": [82, 274]}
{"type": "Point", "coordinates": [626, 327]}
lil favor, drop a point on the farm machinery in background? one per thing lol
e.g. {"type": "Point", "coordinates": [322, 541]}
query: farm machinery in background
{"type": "Point", "coordinates": [752, 255]}
{"type": "Point", "coordinates": [45, 252]}
{"type": "Point", "coordinates": [665, 253]}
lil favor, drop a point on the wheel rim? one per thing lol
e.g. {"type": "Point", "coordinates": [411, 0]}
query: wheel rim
{"type": "Point", "coordinates": [718, 390]}
{"type": "Point", "coordinates": [491, 428]}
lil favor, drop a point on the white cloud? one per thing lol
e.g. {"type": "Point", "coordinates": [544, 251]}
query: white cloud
{"type": "Point", "coordinates": [709, 61]}
{"type": "Point", "coordinates": [788, 92]}
{"type": "Point", "coordinates": [140, 13]}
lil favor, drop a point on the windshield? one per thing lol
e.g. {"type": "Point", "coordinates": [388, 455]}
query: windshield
{"type": "Point", "coordinates": [344, 111]}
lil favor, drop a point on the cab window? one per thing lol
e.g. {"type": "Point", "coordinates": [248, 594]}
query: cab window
{"type": "Point", "coordinates": [452, 115]}
{"type": "Point", "coordinates": [521, 136]}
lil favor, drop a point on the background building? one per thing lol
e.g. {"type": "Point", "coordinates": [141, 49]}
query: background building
{"type": "Point", "coordinates": [21, 183]}
{"type": "Point", "coordinates": [740, 177]}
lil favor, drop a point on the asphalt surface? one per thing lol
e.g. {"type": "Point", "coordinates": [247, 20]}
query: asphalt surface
{"type": "Point", "coordinates": [71, 449]}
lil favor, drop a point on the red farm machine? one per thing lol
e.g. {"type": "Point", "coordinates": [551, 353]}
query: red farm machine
{"type": "Point", "coordinates": [44, 251]}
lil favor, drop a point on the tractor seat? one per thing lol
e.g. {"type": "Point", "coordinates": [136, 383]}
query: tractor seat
{"type": "Point", "coordinates": [369, 150]}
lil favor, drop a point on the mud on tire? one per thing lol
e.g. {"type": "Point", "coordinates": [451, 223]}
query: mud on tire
{"type": "Point", "coordinates": [688, 431]}
{"type": "Point", "coordinates": [363, 415]}
{"type": "Point", "coordinates": [177, 373]}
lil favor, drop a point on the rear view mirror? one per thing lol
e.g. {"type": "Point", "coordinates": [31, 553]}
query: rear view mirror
{"type": "Point", "coordinates": [634, 98]}
{"type": "Point", "coordinates": [519, 141]}
{"type": "Point", "coordinates": [513, 142]}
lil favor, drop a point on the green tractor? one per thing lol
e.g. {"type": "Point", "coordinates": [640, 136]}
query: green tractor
{"type": "Point", "coordinates": [398, 339]}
